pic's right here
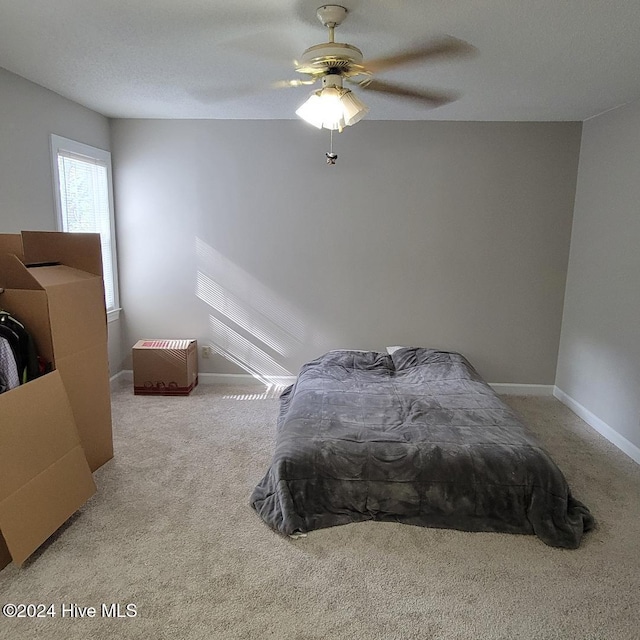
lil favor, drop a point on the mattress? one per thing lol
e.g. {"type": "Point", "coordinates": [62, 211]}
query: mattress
{"type": "Point", "coordinates": [416, 437]}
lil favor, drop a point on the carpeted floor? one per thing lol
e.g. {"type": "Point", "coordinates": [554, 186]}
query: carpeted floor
{"type": "Point", "coordinates": [171, 531]}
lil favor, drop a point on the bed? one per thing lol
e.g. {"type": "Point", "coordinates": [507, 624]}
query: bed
{"type": "Point", "coordinates": [413, 436]}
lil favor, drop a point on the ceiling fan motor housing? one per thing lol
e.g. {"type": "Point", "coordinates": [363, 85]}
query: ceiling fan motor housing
{"type": "Point", "coordinates": [331, 54]}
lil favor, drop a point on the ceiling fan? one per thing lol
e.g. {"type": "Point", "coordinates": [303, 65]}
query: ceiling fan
{"type": "Point", "coordinates": [334, 63]}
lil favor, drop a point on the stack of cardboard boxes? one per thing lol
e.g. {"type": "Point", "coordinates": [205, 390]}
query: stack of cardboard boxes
{"type": "Point", "coordinates": [54, 430]}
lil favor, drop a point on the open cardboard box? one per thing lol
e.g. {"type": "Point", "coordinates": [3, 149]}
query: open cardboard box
{"type": "Point", "coordinates": [52, 282]}
{"type": "Point", "coordinates": [44, 475]}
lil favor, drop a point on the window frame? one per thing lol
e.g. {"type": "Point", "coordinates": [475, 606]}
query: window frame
{"type": "Point", "coordinates": [61, 144]}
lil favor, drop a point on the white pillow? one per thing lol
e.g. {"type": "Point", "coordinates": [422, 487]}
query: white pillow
{"type": "Point", "coordinates": [390, 350]}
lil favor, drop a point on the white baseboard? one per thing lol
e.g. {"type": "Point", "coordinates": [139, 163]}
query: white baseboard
{"type": "Point", "coordinates": [509, 389]}
{"type": "Point", "coordinates": [599, 425]}
{"type": "Point", "coordinates": [126, 376]}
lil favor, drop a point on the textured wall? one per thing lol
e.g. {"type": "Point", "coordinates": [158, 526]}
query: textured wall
{"type": "Point", "coordinates": [599, 358]}
{"type": "Point", "coordinates": [445, 234]}
{"type": "Point", "coordinates": [29, 114]}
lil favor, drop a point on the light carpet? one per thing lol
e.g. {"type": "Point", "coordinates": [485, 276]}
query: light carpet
{"type": "Point", "coordinates": [172, 532]}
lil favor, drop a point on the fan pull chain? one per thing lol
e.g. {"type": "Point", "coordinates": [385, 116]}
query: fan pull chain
{"type": "Point", "coordinates": [331, 157]}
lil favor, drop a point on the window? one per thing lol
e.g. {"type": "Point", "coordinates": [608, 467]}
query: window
{"type": "Point", "coordinates": [84, 203]}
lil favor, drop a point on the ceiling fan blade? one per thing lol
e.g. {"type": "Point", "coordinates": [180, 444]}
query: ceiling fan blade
{"type": "Point", "coordinates": [428, 98]}
{"type": "Point", "coordinates": [214, 94]}
{"type": "Point", "coordinates": [448, 47]}
{"type": "Point", "coordinates": [286, 84]}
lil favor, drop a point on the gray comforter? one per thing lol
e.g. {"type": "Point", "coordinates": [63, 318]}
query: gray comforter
{"type": "Point", "coordinates": [414, 437]}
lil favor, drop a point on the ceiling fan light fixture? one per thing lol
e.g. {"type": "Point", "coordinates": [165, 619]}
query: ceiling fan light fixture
{"type": "Point", "coordinates": [335, 107]}
{"type": "Point", "coordinates": [323, 109]}
{"type": "Point", "coordinates": [311, 111]}
{"type": "Point", "coordinates": [332, 108]}
{"type": "Point", "coordinates": [354, 109]}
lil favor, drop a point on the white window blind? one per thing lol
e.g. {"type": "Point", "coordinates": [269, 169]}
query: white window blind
{"type": "Point", "coordinates": [84, 203]}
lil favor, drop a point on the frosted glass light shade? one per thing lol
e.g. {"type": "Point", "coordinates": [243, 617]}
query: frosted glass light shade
{"type": "Point", "coordinates": [332, 108]}
{"type": "Point", "coordinates": [354, 109]}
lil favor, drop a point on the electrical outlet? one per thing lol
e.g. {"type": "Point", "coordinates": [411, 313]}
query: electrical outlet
{"type": "Point", "coordinates": [206, 352]}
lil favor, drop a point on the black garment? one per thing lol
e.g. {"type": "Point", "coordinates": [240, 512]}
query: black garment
{"type": "Point", "coordinates": [22, 345]}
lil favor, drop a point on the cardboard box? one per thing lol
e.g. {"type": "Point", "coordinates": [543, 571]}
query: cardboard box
{"type": "Point", "coordinates": [44, 475]}
{"type": "Point", "coordinates": [53, 284]}
{"type": "Point", "coordinates": [165, 367]}
{"type": "Point", "coordinates": [5, 556]}
{"type": "Point", "coordinates": [55, 429]}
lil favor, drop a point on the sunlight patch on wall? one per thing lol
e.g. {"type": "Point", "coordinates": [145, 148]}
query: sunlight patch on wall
{"type": "Point", "coordinates": [236, 348]}
{"type": "Point", "coordinates": [247, 288]}
{"type": "Point", "coordinates": [250, 325]}
{"type": "Point", "coordinates": [229, 305]}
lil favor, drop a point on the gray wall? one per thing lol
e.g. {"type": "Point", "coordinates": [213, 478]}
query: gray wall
{"type": "Point", "coordinates": [28, 115]}
{"type": "Point", "coordinates": [599, 358]}
{"type": "Point", "coordinates": [445, 234]}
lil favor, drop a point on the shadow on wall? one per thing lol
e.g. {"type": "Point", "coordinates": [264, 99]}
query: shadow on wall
{"type": "Point", "coordinates": [249, 324]}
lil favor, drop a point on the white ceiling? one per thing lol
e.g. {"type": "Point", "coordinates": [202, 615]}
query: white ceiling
{"type": "Point", "coordinates": [537, 59]}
